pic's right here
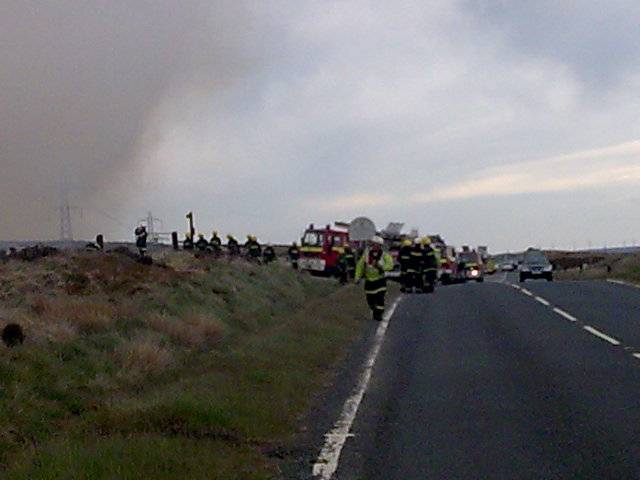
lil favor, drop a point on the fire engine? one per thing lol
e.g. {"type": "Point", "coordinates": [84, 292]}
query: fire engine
{"type": "Point", "coordinates": [322, 247]}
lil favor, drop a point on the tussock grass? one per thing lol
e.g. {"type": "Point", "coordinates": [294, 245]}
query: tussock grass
{"type": "Point", "coordinates": [623, 267]}
{"type": "Point", "coordinates": [192, 368]}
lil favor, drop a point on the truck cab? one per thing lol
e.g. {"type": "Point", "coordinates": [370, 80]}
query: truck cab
{"type": "Point", "coordinates": [321, 249]}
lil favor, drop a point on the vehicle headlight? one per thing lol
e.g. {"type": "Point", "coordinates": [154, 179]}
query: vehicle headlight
{"type": "Point", "coordinates": [548, 268]}
{"type": "Point", "coordinates": [525, 269]}
{"type": "Point", "coordinates": [474, 273]}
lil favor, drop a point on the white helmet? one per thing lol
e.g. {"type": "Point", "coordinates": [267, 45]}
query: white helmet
{"type": "Point", "coordinates": [377, 240]}
{"type": "Point", "coordinates": [417, 241]}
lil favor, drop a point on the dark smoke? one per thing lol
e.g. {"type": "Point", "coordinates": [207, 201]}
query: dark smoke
{"type": "Point", "coordinates": [78, 83]}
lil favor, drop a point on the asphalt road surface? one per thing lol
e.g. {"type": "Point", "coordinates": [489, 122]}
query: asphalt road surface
{"type": "Point", "coordinates": [503, 380]}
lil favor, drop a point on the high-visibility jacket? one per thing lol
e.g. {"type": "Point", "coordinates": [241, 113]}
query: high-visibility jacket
{"type": "Point", "coordinates": [430, 259]}
{"type": "Point", "coordinates": [417, 263]}
{"type": "Point", "coordinates": [216, 243]}
{"type": "Point", "coordinates": [348, 260]}
{"type": "Point", "coordinates": [374, 278]}
{"type": "Point", "coordinates": [253, 248]}
{"type": "Point", "coordinates": [269, 254]}
{"type": "Point", "coordinates": [404, 258]}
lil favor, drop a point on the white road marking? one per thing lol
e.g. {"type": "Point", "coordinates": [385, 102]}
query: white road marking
{"type": "Point", "coordinates": [601, 335]}
{"type": "Point", "coordinates": [327, 462]}
{"type": "Point", "coordinates": [622, 282]}
{"type": "Point", "coordinates": [566, 315]}
{"type": "Point", "coordinates": [542, 301]}
{"type": "Point", "coordinates": [571, 318]}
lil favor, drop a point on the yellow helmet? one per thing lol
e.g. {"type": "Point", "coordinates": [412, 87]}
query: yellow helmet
{"type": "Point", "coordinates": [406, 242]}
{"type": "Point", "coordinates": [200, 235]}
{"type": "Point", "coordinates": [426, 240]}
{"type": "Point", "coordinates": [229, 237]}
{"type": "Point", "coordinates": [215, 233]}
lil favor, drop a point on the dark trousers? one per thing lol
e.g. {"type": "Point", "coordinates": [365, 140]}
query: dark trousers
{"type": "Point", "coordinates": [416, 280]}
{"type": "Point", "coordinates": [346, 274]}
{"type": "Point", "coordinates": [430, 278]}
{"type": "Point", "coordinates": [404, 280]}
{"type": "Point", "coordinates": [376, 303]}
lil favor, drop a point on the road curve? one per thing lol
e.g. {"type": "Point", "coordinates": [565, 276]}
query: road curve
{"type": "Point", "coordinates": [488, 381]}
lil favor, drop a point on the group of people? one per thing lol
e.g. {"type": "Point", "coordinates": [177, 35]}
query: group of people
{"type": "Point", "coordinates": [418, 266]}
{"type": "Point", "coordinates": [252, 249]}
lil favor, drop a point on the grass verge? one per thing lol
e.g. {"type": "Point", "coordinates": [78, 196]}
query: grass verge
{"type": "Point", "coordinates": [188, 369]}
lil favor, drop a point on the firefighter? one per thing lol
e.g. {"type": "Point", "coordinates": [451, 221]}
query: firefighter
{"type": "Point", "coordinates": [233, 246]}
{"type": "Point", "coordinates": [347, 265]}
{"type": "Point", "coordinates": [372, 267]}
{"type": "Point", "coordinates": [254, 251]}
{"type": "Point", "coordinates": [215, 244]}
{"type": "Point", "coordinates": [269, 254]}
{"type": "Point", "coordinates": [187, 244]}
{"type": "Point", "coordinates": [141, 240]}
{"type": "Point", "coordinates": [430, 271]}
{"type": "Point", "coordinates": [416, 268]}
{"type": "Point", "coordinates": [404, 259]}
{"type": "Point", "coordinates": [294, 255]}
{"type": "Point", "coordinates": [202, 244]}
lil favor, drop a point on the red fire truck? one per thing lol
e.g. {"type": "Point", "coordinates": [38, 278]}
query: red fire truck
{"type": "Point", "coordinates": [321, 249]}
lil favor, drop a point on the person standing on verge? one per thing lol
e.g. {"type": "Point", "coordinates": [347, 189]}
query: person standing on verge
{"type": "Point", "coordinates": [372, 266]}
{"type": "Point", "coordinates": [294, 255]}
{"type": "Point", "coordinates": [141, 240]}
{"type": "Point", "coordinates": [347, 263]}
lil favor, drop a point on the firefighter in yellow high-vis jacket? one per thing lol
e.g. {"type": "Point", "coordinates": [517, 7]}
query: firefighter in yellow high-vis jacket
{"type": "Point", "coordinates": [372, 266]}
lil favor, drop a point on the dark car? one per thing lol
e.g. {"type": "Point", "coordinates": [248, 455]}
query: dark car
{"type": "Point", "coordinates": [536, 265]}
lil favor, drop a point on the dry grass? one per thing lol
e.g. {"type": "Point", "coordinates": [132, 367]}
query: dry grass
{"type": "Point", "coordinates": [87, 315]}
{"type": "Point", "coordinates": [117, 348]}
{"type": "Point", "coordinates": [143, 356]}
{"type": "Point", "coordinates": [194, 330]}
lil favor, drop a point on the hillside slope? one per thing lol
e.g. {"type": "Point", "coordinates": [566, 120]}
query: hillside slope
{"type": "Point", "coordinates": [191, 368]}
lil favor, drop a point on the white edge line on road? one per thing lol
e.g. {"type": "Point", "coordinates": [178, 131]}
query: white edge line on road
{"type": "Point", "coordinates": [601, 335]}
{"type": "Point", "coordinates": [327, 461]}
{"type": "Point", "coordinates": [526, 292]}
{"type": "Point", "coordinates": [566, 315]}
{"type": "Point", "coordinates": [637, 355]}
{"type": "Point", "coordinates": [543, 301]}
{"type": "Point", "coordinates": [622, 282]}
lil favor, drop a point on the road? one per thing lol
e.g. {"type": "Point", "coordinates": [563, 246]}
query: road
{"type": "Point", "coordinates": [495, 381]}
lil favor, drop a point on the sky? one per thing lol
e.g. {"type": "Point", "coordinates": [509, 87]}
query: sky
{"type": "Point", "coordinates": [499, 123]}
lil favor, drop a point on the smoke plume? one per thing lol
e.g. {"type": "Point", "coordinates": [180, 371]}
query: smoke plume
{"type": "Point", "coordinates": [78, 84]}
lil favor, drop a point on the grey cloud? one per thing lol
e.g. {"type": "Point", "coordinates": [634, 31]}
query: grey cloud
{"type": "Point", "coordinates": [600, 41]}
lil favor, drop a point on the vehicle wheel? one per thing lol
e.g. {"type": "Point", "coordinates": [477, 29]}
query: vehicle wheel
{"type": "Point", "coordinates": [480, 280]}
{"type": "Point", "coordinates": [550, 278]}
{"type": "Point", "coordinates": [522, 279]}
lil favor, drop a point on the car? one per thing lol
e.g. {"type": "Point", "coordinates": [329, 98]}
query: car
{"type": "Point", "coordinates": [535, 265]}
{"type": "Point", "coordinates": [507, 267]}
{"type": "Point", "coordinates": [472, 266]}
